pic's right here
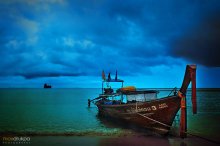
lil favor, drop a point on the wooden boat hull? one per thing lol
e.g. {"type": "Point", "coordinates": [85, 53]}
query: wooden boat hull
{"type": "Point", "coordinates": [149, 114]}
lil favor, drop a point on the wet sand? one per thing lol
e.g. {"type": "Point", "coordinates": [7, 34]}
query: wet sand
{"type": "Point", "coordinates": [113, 141]}
{"type": "Point", "coordinates": [135, 137]}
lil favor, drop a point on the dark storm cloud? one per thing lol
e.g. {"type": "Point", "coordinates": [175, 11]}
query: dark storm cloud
{"type": "Point", "coordinates": [49, 74]}
{"type": "Point", "coordinates": [71, 38]}
{"type": "Point", "coordinates": [201, 43]}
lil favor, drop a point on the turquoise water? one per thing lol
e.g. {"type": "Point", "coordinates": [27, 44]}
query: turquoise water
{"type": "Point", "coordinates": [51, 111]}
{"type": "Point", "coordinates": [65, 111]}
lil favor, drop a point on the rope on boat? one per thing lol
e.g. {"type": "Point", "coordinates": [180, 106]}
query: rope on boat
{"type": "Point", "coordinates": [174, 91]}
{"type": "Point", "coordinates": [154, 120]}
{"type": "Point", "coordinates": [204, 138]}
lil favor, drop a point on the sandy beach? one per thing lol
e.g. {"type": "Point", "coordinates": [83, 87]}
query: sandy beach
{"type": "Point", "coordinates": [135, 139]}
{"type": "Point", "coordinates": [113, 141]}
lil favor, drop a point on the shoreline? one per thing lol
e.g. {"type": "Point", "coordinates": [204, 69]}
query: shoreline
{"type": "Point", "coordinates": [132, 140]}
{"type": "Point", "coordinates": [97, 139]}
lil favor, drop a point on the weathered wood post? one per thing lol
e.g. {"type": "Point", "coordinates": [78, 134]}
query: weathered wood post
{"type": "Point", "coordinates": [190, 76]}
{"type": "Point", "coordinates": [183, 116]}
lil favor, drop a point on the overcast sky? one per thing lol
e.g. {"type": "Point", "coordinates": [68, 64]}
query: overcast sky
{"type": "Point", "coordinates": [67, 43]}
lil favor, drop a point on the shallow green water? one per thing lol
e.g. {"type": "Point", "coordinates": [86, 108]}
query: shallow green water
{"type": "Point", "coordinates": [65, 111]}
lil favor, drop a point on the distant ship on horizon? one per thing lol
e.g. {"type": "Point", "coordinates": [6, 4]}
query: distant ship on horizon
{"type": "Point", "coordinates": [47, 85]}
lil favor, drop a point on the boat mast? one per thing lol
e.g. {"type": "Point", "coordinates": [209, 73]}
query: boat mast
{"type": "Point", "coordinates": [190, 76]}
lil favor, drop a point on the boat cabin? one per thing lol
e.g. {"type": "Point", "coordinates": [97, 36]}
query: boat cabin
{"type": "Point", "coordinates": [124, 95]}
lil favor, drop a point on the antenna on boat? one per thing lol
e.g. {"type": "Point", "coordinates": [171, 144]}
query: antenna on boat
{"type": "Point", "coordinates": [190, 76]}
{"type": "Point", "coordinates": [116, 75]}
{"type": "Point", "coordinates": [109, 76]}
{"type": "Point", "coordinates": [103, 79]}
{"type": "Point", "coordinates": [103, 75]}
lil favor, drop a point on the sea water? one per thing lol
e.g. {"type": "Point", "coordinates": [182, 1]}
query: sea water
{"type": "Point", "coordinates": [66, 112]}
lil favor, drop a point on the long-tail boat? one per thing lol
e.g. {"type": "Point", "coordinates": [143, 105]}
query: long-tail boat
{"type": "Point", "coordinates": [143, 108]}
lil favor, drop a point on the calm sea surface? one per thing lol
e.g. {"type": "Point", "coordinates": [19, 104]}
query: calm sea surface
{"type": "Point", "coordinates": [65, 111]}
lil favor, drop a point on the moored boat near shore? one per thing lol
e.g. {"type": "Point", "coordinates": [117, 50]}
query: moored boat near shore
{"type": "Point", "coordinates": [142, 107]}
